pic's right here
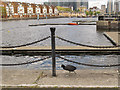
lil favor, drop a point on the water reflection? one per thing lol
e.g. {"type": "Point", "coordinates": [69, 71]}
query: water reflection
{"type": "Point", "coordinates": [18, 32]}
{"type": "Point", "coordinates": [47, 64]}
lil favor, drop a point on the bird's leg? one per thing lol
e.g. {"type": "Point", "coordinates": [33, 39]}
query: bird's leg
{"type": "Point", "coordinates": [75, 72]}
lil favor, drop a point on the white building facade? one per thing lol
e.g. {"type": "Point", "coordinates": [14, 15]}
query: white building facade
{"type": "Point", "coordinates": [21, 10]}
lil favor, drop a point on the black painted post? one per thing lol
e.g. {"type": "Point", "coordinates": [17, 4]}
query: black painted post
{"type": "Point", "coordinates": [53, 51]}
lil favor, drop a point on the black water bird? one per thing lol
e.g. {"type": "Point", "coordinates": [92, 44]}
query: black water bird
{"type": "Point", "coordinates": [69, 68]}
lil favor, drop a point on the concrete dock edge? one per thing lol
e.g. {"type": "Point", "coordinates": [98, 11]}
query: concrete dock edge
{"type": "Point", "coordinates": [109, 38]}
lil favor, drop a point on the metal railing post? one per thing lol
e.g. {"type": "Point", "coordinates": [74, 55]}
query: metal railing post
{"type": "Point", "coordinates": [52, 29]}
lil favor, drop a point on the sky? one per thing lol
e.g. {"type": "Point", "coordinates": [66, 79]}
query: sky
{"type": "Point", "coordinates": [97, 3]}
{"type": "Point", "coordinates": [92, 3]}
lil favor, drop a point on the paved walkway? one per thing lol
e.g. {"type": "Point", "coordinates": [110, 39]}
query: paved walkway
{"type": "Point", "coordinates": [114, 37]}
{"type": "Point", "coordinates": [43, 78]}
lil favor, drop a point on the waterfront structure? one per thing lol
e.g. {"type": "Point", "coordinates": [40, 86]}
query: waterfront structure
{"type": "Point", "coordinates": [45, 10]}
{"type": "Point", "coordinates": [110, 6]}
{"type": "Point", "coordinates": [11, 9]}
{"type": "Point", "coordinates": [30, 10]}
{"type": "Point", "coordinates": [4, 5]}
{"type": "Point", "coordinates": [103, 9]}
{"type": "Point", "coordinates": [50, 11]}
{"type": "Point", "coordinates": [108, 22]}
{"type": "Point", "coordinates": [21, 10]}
{"type": "Point", "coordinates": [38, 10]}
{"type": "Point", "coordinates": [24, 10]}
{"type": "Point", "coordinates": [55, 11]}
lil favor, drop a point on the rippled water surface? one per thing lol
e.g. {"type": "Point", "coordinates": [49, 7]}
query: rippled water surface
{"type": "Point", "coordinates": [18, 32]}
{"type": "Point", "coordinates": [47, 64]}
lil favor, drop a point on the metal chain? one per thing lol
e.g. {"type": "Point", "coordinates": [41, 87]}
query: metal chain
{"type": "Point", "coordinates": [85, 45]}
{"type": "Point", "coordinates": [114, 65]}
{"type": "Point", "coordinates": [26, 44]}
{"type": "Point", "coordinates": [25, 62]}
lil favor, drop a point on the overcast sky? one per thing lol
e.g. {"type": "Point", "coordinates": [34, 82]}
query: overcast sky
{"type": "Point", "coordinates": [92, 3]}
{"type": "Point", "coordinates": [97, 3]}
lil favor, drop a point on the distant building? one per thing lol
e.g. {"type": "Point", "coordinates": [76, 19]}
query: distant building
{"type": "Point", "coordinates": [84, 3]}
{"type": "Point", "coordinates": [103, 9]}
{"type": "Point", "coordinates": [94, 9]}
{"type": "Point", "coordinates": [45, 10]}
{"type": "Point", "coordinates": [73, 3]}
{"type": "Point", "coordinates": [38, 10]}
{"type": "Point", "coordinates": [63, 4]}
{"type": "Point", "coordinates": [23, 10]}
{"type": "Point", "coordinates": [51, 3]}
{"type": "Point", "coordinates": [82, 9]}
{"type": "Point", "coordinates": [117, 6]}
{"type": "Point", "coordinates": [110, 6]}
{"type": "Point", "coordinates": [50, 10]}
{"type": "Point", "coordinates": [56, 11]}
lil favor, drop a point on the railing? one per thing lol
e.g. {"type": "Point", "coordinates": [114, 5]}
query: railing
{"type": "Point", "coordinates": [27, 43]}
{"type": "Point", "coordinates": [53, 54]}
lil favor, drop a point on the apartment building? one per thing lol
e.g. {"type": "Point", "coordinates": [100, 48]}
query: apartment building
{"type": "Point", "coordinates": [24, 10]}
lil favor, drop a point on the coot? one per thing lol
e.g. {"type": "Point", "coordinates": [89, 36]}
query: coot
{"type": "Point", "coordinates": [69, 68]}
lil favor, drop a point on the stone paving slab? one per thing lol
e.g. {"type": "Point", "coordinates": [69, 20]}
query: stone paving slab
{"type": "Point", "coordinates": [43, 78]}
{"type": "Point", "coordinates": [114, 37]}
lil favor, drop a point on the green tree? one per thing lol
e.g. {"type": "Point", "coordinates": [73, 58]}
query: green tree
{"type": "Point", "coordinates": [97, 12]}
{"type": "Point", "coordinates": [63, 9]}
{"type": "Point", "coordinates": [119, 13]}
{"type": "Point", "coordinates": [87, 13]}
{"type": "Point", "coordinates": [77, 10]}
{"type": "Point", "coordinates": [91, 13]}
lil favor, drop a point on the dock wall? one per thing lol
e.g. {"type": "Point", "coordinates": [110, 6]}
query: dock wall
{"type": "Point", "coordinates": [28, 18]}
{"type": "Point", "coordinates": [108, 25]}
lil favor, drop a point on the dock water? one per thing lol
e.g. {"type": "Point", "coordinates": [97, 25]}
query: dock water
{"type": "Point", "coordinates": [112, 36]}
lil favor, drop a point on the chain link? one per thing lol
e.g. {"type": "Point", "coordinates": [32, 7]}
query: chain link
{"type": "Point", "coordinates": [86, 45]}
{"type": "Point", "coordinates": [115, 65]}
{"type": "Point", "coordinates": [25, 62]}
{"type": "Point", "coordinates": [27, 43]}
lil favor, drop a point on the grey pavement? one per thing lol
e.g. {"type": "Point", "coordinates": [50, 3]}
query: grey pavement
{"type": "Point", "coordinates": [83, 78]}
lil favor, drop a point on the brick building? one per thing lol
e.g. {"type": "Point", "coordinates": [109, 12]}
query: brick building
{"type": "Point", "coordinates": [24, 10]}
